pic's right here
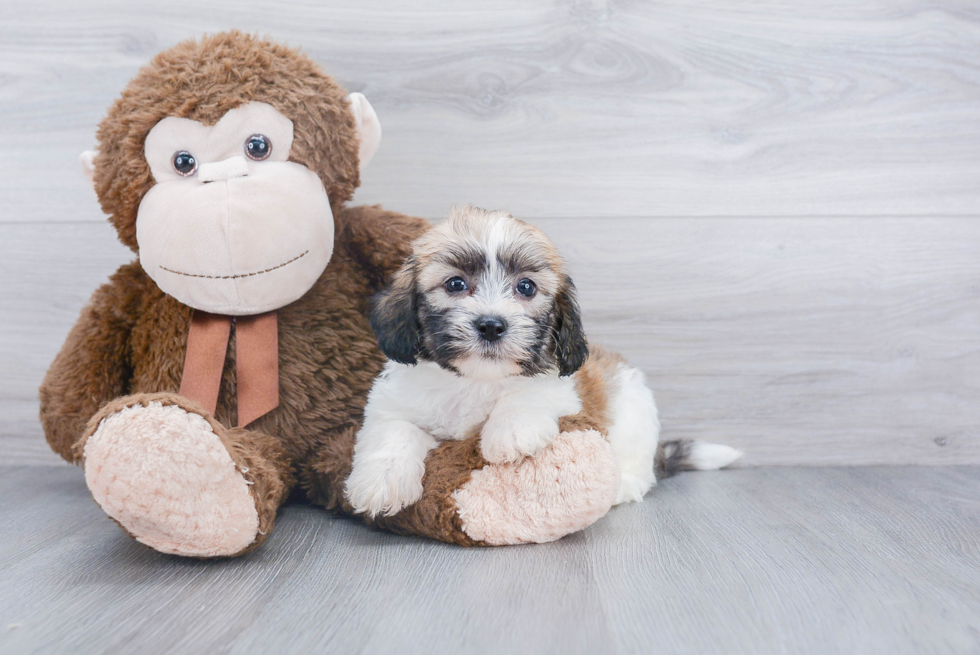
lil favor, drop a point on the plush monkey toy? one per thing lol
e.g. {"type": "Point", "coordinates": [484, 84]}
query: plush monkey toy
{"type": "Point", "coordinates": [231, 362]}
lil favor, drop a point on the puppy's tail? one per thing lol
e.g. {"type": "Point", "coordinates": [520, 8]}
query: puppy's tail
{"type": "Point", "coordinates": [686, 455]}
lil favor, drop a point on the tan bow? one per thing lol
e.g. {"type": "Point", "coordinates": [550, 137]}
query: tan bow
{"type": "Point", "coordinates": [256, 357]}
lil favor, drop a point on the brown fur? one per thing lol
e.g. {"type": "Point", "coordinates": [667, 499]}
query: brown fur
{"type": "Point", "coordinates": [128, 345]}
{"type": "Point", "coordinates": [202, 80]}
{"type": "Point", "coordinates": [468, 223]}
{"type": "Point", "coordinates": [447, 468]}
{"type": "Point", "coordinates": [328, 361]}
{"type": "Point", "coordinates": [591, 383]}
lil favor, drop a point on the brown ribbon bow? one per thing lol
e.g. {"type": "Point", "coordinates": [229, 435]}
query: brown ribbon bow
{"type": "Point", "coordinates": [256, 358]}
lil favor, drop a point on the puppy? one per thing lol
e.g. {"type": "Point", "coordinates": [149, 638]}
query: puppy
{"type": "Point", "coordinates": [483, 332]}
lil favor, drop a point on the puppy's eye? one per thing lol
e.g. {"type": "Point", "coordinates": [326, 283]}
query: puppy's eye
{"type": "Point", "coordinates": [456, 284]}
{"type": "Point", "coordinates": [258, 147]}
{"type": "Point", "coordinates": [185, 163]}
{"type": "Point", "coordinates": [526, 288]}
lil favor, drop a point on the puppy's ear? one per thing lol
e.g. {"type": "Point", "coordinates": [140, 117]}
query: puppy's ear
{"type": "Point", "coordinates": [394, 317]}
{"type": "Point", "coordinates": [571, 346]}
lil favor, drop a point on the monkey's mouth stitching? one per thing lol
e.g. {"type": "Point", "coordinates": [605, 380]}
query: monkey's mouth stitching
{"type": "Point", "coordinates": [233, 277]}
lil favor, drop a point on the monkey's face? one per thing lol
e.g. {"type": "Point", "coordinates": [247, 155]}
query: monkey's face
{"type": "Point", "coordinates": [231, 226]}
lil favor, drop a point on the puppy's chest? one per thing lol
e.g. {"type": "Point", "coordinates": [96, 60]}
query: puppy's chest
{"type": "Point", "coordinates": [458, 416]}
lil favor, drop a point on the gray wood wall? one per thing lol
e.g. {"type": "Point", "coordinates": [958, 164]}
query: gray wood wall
{"type": "Point", "coordinates": [772, 207]}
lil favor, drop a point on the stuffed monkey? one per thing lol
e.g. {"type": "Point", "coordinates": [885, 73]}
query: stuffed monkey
{"type": "Point", "coordinates": [231, 362]}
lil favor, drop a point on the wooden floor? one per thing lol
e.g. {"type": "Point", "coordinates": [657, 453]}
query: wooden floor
{"type": "Point", "coordinates": [768, 560]}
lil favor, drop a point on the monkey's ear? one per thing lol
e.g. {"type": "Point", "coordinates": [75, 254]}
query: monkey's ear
{"type": "Point", "coordinates": [571, 346]}
{"type": "Point", "coordinates": [87, 160]}
{"type": "Point", "coordinates": [368, 127]}
{"type": "Point", "coordinates": [394, 317]}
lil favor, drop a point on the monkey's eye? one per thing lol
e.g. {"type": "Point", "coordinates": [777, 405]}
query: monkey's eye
{"type": "Point", "coordinates": [258, 147]}
{"type": "Point", "coordinates": [526, 288]}
{"type": "Point", "coordinates": [455, 285]}
{"type": "Point", "coordinates": [185, 163]}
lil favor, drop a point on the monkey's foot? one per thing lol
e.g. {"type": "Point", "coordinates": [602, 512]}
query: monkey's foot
{"type": "Point", "coordinates": [563, 489]}
{"type": "Point", "coordinates": [162, 472]}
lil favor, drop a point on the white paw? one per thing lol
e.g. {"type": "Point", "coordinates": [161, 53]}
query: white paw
{"type": "Point", "coordinates": [632, 487]}
{"type": "Point", "coordinates": [383, 485]}
{"type": "Point", "coordinates": [511, 437]}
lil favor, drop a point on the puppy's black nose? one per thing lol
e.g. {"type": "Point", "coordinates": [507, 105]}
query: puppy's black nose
{"type": "Point", "coordinates": [491, 328]}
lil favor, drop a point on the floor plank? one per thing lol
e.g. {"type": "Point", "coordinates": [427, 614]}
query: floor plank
{"type": "Point", "coordinates": [856, 107]}
{"type": "Point", "coordinates": [874, 559]}
{"type": "Point", "coordinates": [801, 341]}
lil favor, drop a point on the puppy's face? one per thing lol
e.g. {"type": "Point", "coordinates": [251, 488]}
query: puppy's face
{"type": "Point", "coordinates": [486, 296]}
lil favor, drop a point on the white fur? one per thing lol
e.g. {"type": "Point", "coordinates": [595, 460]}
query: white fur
{"type": "Point", "coordinates": [710, 456]}
{"type": "Point", "coordinates": [411, 408]}
{"type": "Point", "coordinates": [389, 462]}
{"type": "Point", "coordinates": [634, 432]}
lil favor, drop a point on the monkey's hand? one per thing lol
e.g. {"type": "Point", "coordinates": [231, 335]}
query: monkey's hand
{"type": "Point", "coordinates": [92, 367]}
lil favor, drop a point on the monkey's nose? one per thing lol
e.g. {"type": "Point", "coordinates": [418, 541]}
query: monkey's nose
{"type": "Point", "coordinates": [491, 328]}
{"type": "Point", "coordinates": [223, 170]}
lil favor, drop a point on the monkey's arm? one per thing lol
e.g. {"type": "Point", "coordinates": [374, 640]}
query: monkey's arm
{"type": "Point", "coordinates": [93, 365]}
{"type": "Point", "coordinates": [380, 239]}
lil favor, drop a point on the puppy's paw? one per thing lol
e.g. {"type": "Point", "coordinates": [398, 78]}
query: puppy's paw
{"type": "Point", "coordinates": [509, 437]}
{"type": "Point", "coordinates": [383, 486]}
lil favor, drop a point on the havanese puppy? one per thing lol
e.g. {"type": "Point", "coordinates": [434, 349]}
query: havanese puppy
{"type": "Point", "coordinates": [483, 332]}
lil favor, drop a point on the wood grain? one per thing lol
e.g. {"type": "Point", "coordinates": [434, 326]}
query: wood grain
{"type": "Point", "coordinates": [801, 341]}
{"type": "Point", "coordinates": [771, 208]}
{"type": "Point", "coordinates": [579, 108]}
{"type": "Point", "coordinates": [877, 559]}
